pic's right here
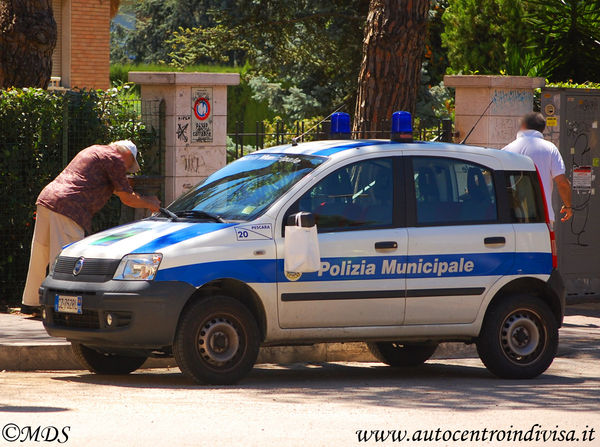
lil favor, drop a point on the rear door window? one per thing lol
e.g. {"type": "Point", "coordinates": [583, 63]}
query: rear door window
{"type": "Point", "coordinates": [525, 197]}
{"type": "Point", "coordinates": [453, 192]}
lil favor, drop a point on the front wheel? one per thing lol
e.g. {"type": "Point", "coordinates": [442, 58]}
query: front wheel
{"type": "Point", "coordinates": [101, 363]}
{"type": "Point", "coordinates": [217, 341]}
{"type": "Point", "coordinates": [402, 355]}
{"type": "Point", "coordinates": [519, 338]}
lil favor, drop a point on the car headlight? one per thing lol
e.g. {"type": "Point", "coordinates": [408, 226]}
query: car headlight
{"type": "Point", "coordinates": [138, 267]}
{"type": "Point", "coordinates": [53, 265]}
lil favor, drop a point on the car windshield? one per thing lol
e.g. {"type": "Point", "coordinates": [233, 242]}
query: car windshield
{"type": "Point", "coordinates": [242, 190]}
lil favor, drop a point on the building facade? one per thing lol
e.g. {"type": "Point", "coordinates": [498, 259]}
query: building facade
{"type": "Point", "coordinates": [81, 58]}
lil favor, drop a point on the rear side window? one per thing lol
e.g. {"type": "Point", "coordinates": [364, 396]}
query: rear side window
{"type": "Point", "coordinates": [453, 192]}
{"type": "Point", "coordinates": [525, 197]}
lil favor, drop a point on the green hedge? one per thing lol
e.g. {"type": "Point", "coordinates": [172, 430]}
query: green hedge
{"type": "Point", "coordinates": [39, 132]}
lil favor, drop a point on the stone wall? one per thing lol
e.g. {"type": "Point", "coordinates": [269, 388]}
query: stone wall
{"type": "Point", "coordinates": [506, 98]}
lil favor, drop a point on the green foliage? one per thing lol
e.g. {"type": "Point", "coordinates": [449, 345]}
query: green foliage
{"type": "Point", "coordinates": [569, 84]}
{"type": "Point", "coordinates": [481, 35]}
{"type": "Point", "coordinates": [155, 21]}
{"type": "Point", "coordinates": [34, 125]}
{"type": "Point", "coordinates": [565, 38]}
{"type": "Point", "coordinates": [304, 55]}
{"type": "Point", "coordinates": [244, 107]}
{"type": "Point", "coordinates": [434, 103]}
{"type": "Point", "coordinates": [301, 59]}
{"type": "Point", "coordinates": [556, 39]}
{"type": "Point", "coordinates": [435, 60]}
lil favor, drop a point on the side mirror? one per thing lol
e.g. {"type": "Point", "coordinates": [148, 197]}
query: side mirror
{"type": "Point", "coordinates": [302, 219]}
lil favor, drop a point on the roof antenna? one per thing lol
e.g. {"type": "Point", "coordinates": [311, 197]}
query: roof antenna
{"type": "Point", "coordinates": [297, 138]}
{"type": "Point", "coordinates": [477, 122]}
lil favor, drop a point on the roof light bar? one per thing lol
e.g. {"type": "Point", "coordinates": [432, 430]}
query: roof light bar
{"type": "Point", "coordinates": [340, 126]}
{"type": "Point", "coordinates": [402, 130]}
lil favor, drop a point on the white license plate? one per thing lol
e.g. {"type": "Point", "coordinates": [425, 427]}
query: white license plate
{"type": "Point", "coordinates": [68, 304]}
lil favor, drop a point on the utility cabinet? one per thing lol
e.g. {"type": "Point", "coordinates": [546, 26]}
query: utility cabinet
{"type": "Point", "coordinates": [573, 125]}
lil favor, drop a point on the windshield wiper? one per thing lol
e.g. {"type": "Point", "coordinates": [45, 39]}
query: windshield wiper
{"type": "Point", "coordinates": [168, 213]}
{"type": "Point", "coordinates": [196, 214]}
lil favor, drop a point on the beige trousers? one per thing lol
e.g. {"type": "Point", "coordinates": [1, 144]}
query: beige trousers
{"type": "Point", "coordinates": [51, 233]}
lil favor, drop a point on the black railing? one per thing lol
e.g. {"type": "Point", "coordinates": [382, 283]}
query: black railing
{"type": "Point", "coordinates": [248, 139]}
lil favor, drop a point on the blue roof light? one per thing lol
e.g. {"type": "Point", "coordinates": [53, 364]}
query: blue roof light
{"type": "Point", "coordinates": [340, 126]}
{"type": "Point", "coordinates": [402, 126]}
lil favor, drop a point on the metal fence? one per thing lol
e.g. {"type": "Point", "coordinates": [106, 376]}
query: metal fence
{"type": "Point", "coordinates": [35, 149]}
{"type": "Point", "coordinates": [248, 137]}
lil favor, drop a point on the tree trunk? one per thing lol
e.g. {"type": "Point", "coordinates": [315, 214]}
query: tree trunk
{"type": "Point", "coordinates": [390, 71]}
{"type": "Point", "coordinates": [27, 39]}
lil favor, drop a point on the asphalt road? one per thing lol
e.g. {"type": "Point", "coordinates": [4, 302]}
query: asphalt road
{"type": "Point", "coordinates": [303, 405]}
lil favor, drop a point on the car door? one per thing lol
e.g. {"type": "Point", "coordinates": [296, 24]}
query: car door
{"type": "Point", "coordinates": [359, 223]}
{"type": "Point", "coordinates": [458, 246]}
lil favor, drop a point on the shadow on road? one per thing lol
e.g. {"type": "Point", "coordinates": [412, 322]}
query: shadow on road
{"type": "Point", "coordinates": [435, 385]}
{"type": "Point", "coordinates": [30, 409]}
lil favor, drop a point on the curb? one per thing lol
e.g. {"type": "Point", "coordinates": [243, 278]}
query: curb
{"type": "Point", "coordinates": [60, 357]}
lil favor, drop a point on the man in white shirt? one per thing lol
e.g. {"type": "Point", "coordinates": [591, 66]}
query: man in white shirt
{"type": "Point", "coordinates": [548, 160]}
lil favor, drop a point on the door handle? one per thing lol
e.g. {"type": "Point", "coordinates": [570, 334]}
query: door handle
{"type": "Point", "coordinates": [498, 240]}
{"type": "Point", "coordinates": [386, 245]}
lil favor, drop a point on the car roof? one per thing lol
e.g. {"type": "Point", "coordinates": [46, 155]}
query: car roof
{"type": "Point", "coordinates": [343, 148]}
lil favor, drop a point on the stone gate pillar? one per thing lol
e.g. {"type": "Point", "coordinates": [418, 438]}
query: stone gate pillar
{"type": "Point", "coordinates": [509, 98]}
{"type": "Point", "coordinates": [196, 123]}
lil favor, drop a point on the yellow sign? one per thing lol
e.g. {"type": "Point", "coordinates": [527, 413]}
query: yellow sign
{"type": "Point", "coordinates": [551, 121]}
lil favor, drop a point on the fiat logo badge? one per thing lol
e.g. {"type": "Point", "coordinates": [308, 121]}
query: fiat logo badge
{"type": "Point", "coordinates": [78, 266]}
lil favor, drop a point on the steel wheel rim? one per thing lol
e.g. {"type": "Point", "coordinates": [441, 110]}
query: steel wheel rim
{"type": "Point", "coordinates": [523, 337]}
{"type": "Point", "coordinates": [219, 341]}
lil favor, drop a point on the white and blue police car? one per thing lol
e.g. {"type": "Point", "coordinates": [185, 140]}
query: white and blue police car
{"type": "Point", "coordinates": [419, 243]}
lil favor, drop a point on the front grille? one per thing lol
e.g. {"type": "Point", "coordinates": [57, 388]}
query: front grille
{"type": "Point", "coordinates": [91, 266]}
{"type": "Point", "coordinates": [87, 320]}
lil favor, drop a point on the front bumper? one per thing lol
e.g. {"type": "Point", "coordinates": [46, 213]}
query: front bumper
{"type": "Point", "coordinates": [145, 313]}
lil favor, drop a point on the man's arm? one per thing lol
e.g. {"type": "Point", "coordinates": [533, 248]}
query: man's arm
{"type": "Point", "coordinates": [134, 200]}
{"type": "Point", "coordinates": [564, 190]}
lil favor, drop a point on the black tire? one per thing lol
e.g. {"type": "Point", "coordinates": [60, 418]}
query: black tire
{"type": "Point", "coordinates": [217, 341]}
{"type": "Point", "coordinates": [519, 337]}
{"type": "Point", "coordinates": [402, 354]}
{"type": "Point", "coordinates": [100, 363]}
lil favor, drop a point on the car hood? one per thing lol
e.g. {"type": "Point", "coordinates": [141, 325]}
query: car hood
{"type": "Point", "coordinates": [147, 236]}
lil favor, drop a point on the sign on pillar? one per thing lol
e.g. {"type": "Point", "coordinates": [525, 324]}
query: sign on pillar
{"type": "Point", "coordinates": [195, 134]}
{"type": "Point", "coordinates": [202, 120]}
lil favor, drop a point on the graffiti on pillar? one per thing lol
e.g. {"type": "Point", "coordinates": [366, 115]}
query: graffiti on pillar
{"type": "Point", "coordinates": [191, 160]}
{"type": "Point", "coordinates": [202, 120]}
{"type": "Point", "coordinates": [504, 130]}
{"type": "Point", "coordinates": [183, 128]}
{"type": "Point", "coordinates": [192, 163]}
{"type": "Point", "coordinates": [505, 102]}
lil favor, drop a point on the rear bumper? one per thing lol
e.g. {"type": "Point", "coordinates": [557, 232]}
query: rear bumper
{"type": "Point", "coordinates": [557, 288]}
{"type": "Point", "coordinates": [145, 313]}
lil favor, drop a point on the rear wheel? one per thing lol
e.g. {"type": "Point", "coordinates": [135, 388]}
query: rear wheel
{"type": "Point", "coordinates": [217, 341]}
{"type": "Point", "coordinates": [401, 354]}
{"type": "Point", "coordinates": [519, 338]}
{"type": "Point", "coordinates": [101, 363]}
